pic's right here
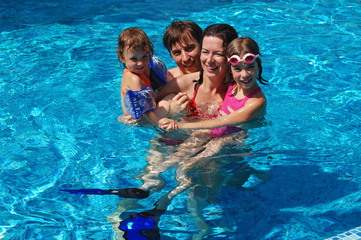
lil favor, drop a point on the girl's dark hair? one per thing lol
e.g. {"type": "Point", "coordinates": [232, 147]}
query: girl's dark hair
{"type": "Point", "coordinates": [181, 31]}
{"type": "Point", "coordinates": [133, 38]}
{"type": "Point", "coordinates": [242, 46]}
{"type": "Point", "coordinates": [225, 32]}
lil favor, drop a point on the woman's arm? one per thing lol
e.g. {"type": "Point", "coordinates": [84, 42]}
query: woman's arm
{"type": "Point", "coordinates": [177, 93]}
{"type": "Point", "coordinates": [179, 84]}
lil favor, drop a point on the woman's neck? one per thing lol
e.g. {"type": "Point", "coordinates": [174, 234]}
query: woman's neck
{"type": "Point", "coordinates": [215, 84]}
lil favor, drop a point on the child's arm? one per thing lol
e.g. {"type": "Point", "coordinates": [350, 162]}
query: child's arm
{"type": "Point", "coordinates": [152, 117]}
{"type": "Point", "coordinates": [252, 109]}
{"type": "Point", "coordinates": [132, 82]}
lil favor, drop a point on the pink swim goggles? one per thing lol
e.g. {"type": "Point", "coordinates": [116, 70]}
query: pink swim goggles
{"type": "Point", "coordinates": [248, 58]}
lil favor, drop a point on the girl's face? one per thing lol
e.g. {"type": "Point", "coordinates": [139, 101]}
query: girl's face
{"type": "Point", "coordinates": [136, 61]}
{"type": "Point", "coordinates": [186, 55]}
{"type": "Point", "coordinates": [213, 57]}
{"type": "Point", "coordinates": [245, 75]}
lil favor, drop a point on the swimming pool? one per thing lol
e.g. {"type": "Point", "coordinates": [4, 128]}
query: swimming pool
{"type": "Point", "coordinates": [60, 99]}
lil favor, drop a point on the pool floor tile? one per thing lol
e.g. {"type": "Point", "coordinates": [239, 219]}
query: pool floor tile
{"type": "Point", "coordinates": [352, 234]}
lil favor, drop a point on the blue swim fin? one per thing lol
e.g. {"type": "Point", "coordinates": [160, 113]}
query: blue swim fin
{"type": "Point", "coordinates": [125, 192]}
{"type": "Point", "coordinates": [142, 226]}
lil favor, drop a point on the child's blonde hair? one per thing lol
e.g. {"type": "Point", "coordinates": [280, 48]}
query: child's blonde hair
{"type": "Point", "coordinates": [134, 38]}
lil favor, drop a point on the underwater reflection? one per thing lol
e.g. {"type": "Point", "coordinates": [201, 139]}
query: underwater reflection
{"type": "Point", "coordinates": [198, 171]}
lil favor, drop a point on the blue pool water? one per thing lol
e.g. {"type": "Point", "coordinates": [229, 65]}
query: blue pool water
{"type": "Point", "coordinates": [60, 99]}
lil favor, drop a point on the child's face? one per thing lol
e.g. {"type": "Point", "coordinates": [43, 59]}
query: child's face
{"type": "Point", "coordinates": [136, 61]}
{"type": "Point", "coordinates": [245, 75]}
{"type": "Point", "coordinates": [186, 55]}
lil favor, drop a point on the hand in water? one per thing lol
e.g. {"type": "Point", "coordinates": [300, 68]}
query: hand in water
{"type": "Point", "coordinates": [129, 120]}
{"type": "Point", "coordinates": [167, 124]}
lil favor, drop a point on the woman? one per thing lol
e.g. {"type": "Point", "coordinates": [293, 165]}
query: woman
{"type": "Point", "coordinates": [200, 94]}
{"type": "Point", "coordinates": [244, 96]}
{"type": "Point", "coordinates": [244, 101]}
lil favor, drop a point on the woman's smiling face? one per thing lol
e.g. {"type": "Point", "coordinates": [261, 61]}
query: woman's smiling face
{"type": "Point", "coordinates": [213, 58]}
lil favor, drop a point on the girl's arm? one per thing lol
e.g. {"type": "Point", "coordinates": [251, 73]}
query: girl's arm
{"type": "Point", "coordinates": [252, 109]}
{"type": "Point", "coordinates": [152, 117]}
{"type": "Point", "coordinates": [131, 81]}
{"type": "Point", "coordinates": [161, 110]}
{"type": "Point", "coordinates": [134, 83]}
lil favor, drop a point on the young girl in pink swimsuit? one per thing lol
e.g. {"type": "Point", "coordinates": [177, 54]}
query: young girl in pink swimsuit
{"type": "Point", "coordinates": [244, 99]}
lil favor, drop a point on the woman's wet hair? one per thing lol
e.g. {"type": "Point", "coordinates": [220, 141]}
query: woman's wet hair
{"type": "Point", "coordinates": [223, 31]}
{"type": "Point", "coordinates": [242, 46]}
